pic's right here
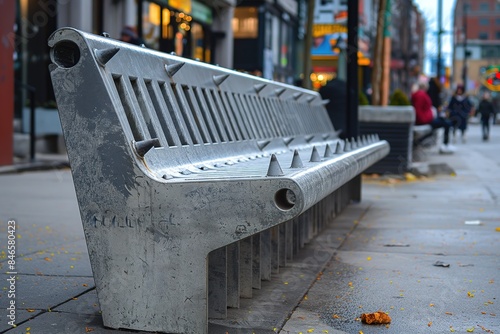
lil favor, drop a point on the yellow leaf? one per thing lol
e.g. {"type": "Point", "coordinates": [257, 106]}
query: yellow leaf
{"type": "Point", "coordinates": [48, 259]}
{"type": "Point", "coordinates": [30, 310]}
{"type": "Point", "coordinates": [310, 330]}
{"type": "Point", "coordinates": [470, 330]}
{"type": "Point", "coordinates": [369, 258]}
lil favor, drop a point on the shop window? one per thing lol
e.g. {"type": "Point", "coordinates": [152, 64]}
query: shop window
{"type": "Point", "coordinates": [484, 21]}
{"type": "Point", "coordinates": [483, 35]}
{"type": "Point", "coordinates": [245, 22]}
{"type": "Point", "coordinates": [151, 24]}
{"type": "Point", "coordinates": [197, 38]}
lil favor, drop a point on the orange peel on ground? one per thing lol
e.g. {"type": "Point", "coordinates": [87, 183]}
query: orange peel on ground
{"type": "Point", "coordinates": [376, 318]}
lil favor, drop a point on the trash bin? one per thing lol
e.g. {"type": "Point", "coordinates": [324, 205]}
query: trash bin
{"type": "Point", "coordinates": [394, 124]}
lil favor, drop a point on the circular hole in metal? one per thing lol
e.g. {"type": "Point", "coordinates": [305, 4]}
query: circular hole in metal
{"type": "Point", "coordinates": [65, 54]}
{"type": "Point", "coordinates": [285, 199]}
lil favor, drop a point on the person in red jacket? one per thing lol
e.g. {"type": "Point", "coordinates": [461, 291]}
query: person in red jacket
{"type": "Point", "coordinates": [425, 115]}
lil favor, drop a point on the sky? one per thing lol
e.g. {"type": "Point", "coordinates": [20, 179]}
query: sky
{"type": "Point", "coordinates": [429, 9]}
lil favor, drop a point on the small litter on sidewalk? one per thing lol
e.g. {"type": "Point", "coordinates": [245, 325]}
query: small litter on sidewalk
{"type": "Point", "coordinates": [473, 222]}
{"type": "Point", "coordinates": [377, 318]}
{"type": "Point", "coordinates": [397, 245]}
{"type": "Point", "coordinates": [441, 264]}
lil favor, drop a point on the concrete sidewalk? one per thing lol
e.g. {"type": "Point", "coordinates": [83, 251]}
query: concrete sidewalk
{"type": "Point", "coordinates": [378, 255]}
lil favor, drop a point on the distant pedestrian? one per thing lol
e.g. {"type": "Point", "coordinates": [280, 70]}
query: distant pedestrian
{"type": "Point", "coordinates": [459, 109]}
{"type": "Point", "coordinates": [422, 103]}
{"type": "Point", "coordinates": [486, 109]}
{"type": "Point", "coordinates": [434, 92]}
{"type": "Point", "coordinates": [335, 91]}
{"type": "Point", "coordinates": [129, 35]}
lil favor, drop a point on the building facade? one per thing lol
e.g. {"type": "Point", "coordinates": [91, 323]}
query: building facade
{"type": "Point", "coordinates": [267, 37]}
{"type": "Point", "coordinates": [476, 39]}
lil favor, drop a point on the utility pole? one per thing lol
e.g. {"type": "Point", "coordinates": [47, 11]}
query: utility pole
{"type": "Point", "coordinates": [378, 55]}
{"type": "Point", "coordinates": [439, 33]}
{"type": "Point", "coordinates": [306, 81]}
{"type": "Point", "coordinates": [351, 54]}
{"type": "Point", "coordinates": [464, 70]}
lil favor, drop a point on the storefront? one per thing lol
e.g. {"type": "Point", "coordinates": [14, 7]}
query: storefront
{"type": "Point", "coordinates": [180, 26]}
{"type": "Point", "coordinates": [272, 29]}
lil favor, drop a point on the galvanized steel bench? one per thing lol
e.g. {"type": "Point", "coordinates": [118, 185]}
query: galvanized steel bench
{"type": "Point", "coordinates": [173, 160]}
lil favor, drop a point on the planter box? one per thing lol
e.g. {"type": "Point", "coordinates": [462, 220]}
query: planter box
{"type": "Point", "coordinates": [394, 124]}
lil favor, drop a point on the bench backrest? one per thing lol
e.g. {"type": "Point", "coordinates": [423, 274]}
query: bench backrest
{"type": "Point", "coordinates": [196, 112]}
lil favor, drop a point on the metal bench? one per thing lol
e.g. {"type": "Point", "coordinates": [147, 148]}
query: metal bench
{"type": "Point", "coordinates": [173, 160]}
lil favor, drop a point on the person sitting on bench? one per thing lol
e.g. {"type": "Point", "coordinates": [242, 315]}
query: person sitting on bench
{"type": "Point", "coordinates": [424, 115]}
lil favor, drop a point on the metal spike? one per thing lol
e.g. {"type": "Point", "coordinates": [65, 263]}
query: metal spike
{"type": "Point", "coordinates": [309, 138]}
{"type": "Point", "coordinates": [354, 144]}
{"type": "Point", "coordinates": [360, 141]}
{"type": "Point", "coordinates": [167, 177]}
{"type": "Point", "coordinates": [296, 161]}
{"type": "Point", "coordinates": [325, 102]}
{"type": "Point", "coordinates": [142, 147]}
{"type": "Point", "coordinates": [328, 151]}
{"type": "Point", "coordinates": [338, 148]}
{"type": "Point", "coordinates": [218, 79]}
{"type": "Point", "coordinates": [315, 155]}
{"type": "Point", "coordinates": [310, 99]}
{"type": "Point", "coordinates": [259, 87]}
{"type": "Point", "coordinates": [104, 55]}
{"type": "Point", "coordinates": [297, 96]}
{"type": "Point", "coordinates": [274, 167]}
{"type": "Point", "coordinates": [263, 144]}
{"type": "Point", "coordinates": [279, 91]}
{"type": "Point", "coordinates": [287, 141]}
{"type": "Point", "coordinates": [105, 34]}
{"type": "Point", "coordinates": [173, 53]}
{"type": "Point", "coordinates": [143, 45]}
{"type": "Point", "coordinates": [325, 136]}
{"type": "Point", "coordinates": [347, 146]}
{"type": "Point", "coordinates": [173, 68]}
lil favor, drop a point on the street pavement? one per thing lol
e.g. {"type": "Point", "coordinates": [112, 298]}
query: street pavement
{"type": "Point", "coordinates": [379, 254]}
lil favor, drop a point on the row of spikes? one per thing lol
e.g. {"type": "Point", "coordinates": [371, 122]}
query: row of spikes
{"type": "Point", "coordinates": [275, 168]}
{"type": "Point", "coordinates": [103, 56]}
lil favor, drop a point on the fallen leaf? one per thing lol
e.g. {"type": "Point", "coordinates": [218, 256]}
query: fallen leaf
{"type": "Point", "coordinates": [449, 313]}
{"type": "Point", "coordinates": [84, 284]}
{"type": "Point", "coordinates": [470, 330]}
{"type": "Point", "coordinates": [30, 310]}
{"type": "Point", "coordinates": [88, 329]}
{"type": "Point", "coordinates": [335, 316]}
{"type": "Point", "coordinates": [378, 317]}
{"type": "Point", "coordinates": [48, 259]}
{"type": "Point", "coordinates": [429, 324]}
{"type": "Point", "coordinates": [470, 294]}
